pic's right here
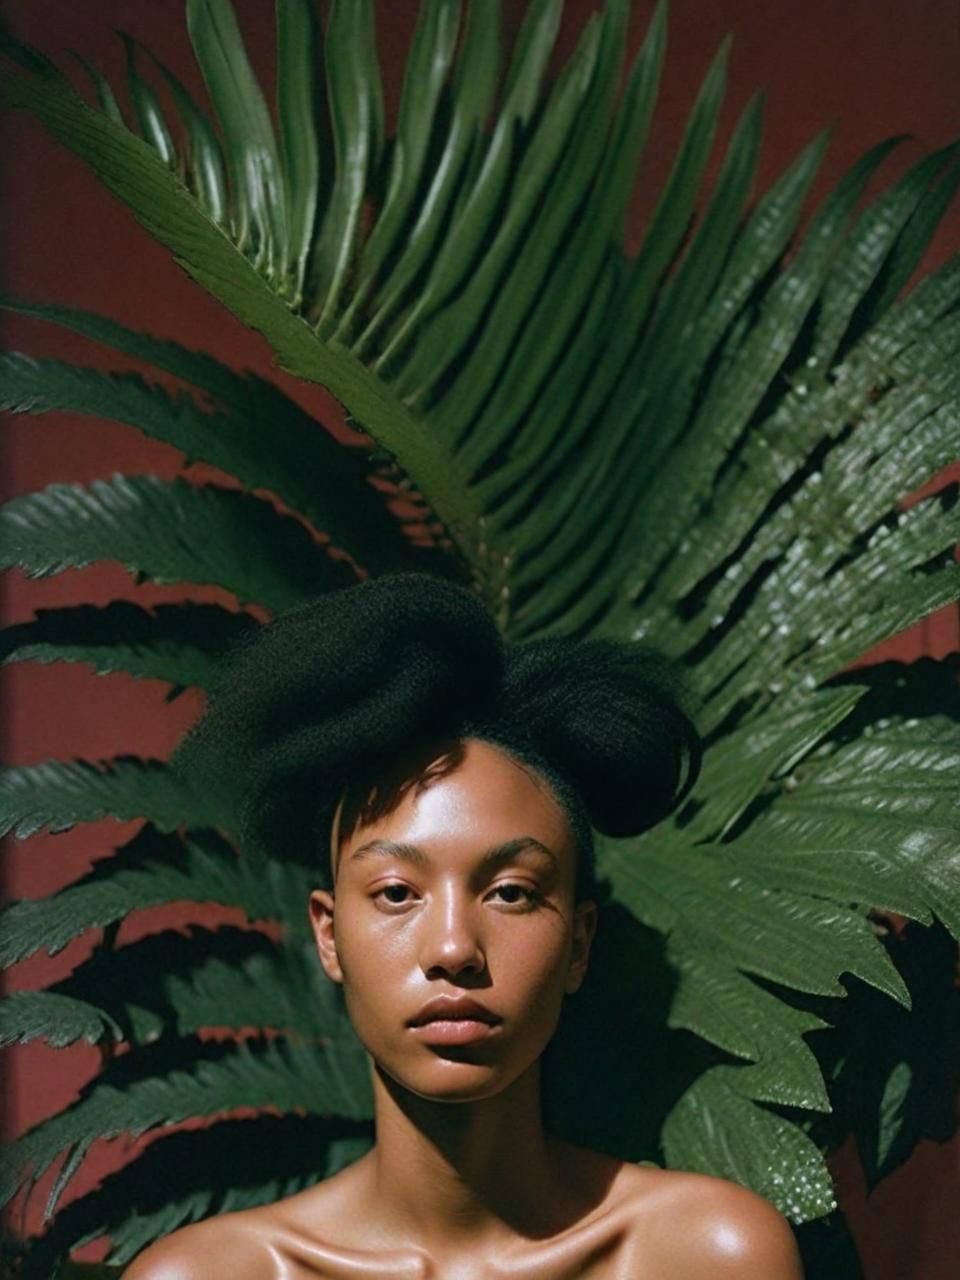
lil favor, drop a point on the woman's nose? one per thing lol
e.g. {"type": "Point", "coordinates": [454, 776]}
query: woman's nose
{"type": "Point", "coordinates": [451, 940]}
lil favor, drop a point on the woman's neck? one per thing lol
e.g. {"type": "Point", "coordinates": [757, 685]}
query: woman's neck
{"type": "Point", "coordinates": [475, 1171]}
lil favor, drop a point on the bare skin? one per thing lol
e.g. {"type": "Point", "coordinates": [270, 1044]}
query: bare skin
{"type": "Point", "coordinates": [464, 892]}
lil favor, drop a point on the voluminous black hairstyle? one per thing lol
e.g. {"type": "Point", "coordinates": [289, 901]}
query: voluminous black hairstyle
{"type": "Point", "coordinates": [342, 690]}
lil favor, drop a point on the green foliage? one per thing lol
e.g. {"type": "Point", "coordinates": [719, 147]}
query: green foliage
{"type": "Point", "coordinates": [233, 539]}
{"type": "Point", "coordinates": [179, 644]}
{"type": "Point", "coordinates": [177, 1079]}
{"type": "Point", "coordinates": [59, 1020]}
{"type": "Point", "coordinates": [305, 468]}
{"type": "Point", "coordinates": [59, 794]}
{"type": "Point", "coordinates": [794, 1177]}
{"type": "Point", "coordinates": [231, 1165]}
{"type": "Point", "coordinates": [152, 870]}
{"type": "Point", "coordinates": [898, 1086]}
{"type": "Point", "coordinates": [226, 977]}
{"type": "Point", "coordinates": [707, 444]}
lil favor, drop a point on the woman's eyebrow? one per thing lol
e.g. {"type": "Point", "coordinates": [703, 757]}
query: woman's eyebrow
{"type": "Point", "coordinates": [522, 844]}
{"type": "Point", "coordinates": [413, 853]}
{"type": "Point", "coordinates": [391, 849]}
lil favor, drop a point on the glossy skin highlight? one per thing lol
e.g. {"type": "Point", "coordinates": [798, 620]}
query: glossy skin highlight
{"type": "Point", "coordinates": [456, 935]}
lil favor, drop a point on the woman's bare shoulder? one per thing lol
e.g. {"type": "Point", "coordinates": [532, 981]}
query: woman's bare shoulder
{"type": "Point", "coordinates": [234, 1244]}
{"type": "Point", "coordinates": [708, 1226]}
{"type": "Point", "coordinates": [249, 1244]}
{"type": "Point", "coordinates": [243, 1245]}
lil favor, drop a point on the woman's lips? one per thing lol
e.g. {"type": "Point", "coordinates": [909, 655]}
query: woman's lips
{"type": "Point", "coordinates": [453, 1020]}
{"type": "Point", "coordinates": [454, 1031]}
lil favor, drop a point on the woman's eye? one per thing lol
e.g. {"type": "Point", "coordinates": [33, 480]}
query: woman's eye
{"type": "Point", "coordinates": [515, 895]}
{"type": "Point", "coordinates": [394, 895]}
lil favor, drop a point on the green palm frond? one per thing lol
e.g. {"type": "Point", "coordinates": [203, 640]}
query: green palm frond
{"type": "Point", "coordinates": [770, 745]}
{"type": "Point", "coordinates": [179, 643]}
{"type": "Point", "coordinates": [306, 468]}
{"type": "Point", "coordinates": [176, 1080]}
{"type": "Point", "coordinates": [447, 360]}
{"type": "Point", "coordinates": [716, 1128]}
{"type": "Point", "coordinates": [745, 1020]}
{"type": "Point", "coordinates": [58, 1019]}
{"type": "Point", "coordinates": [795, 940]}
{"type": "Point", "coordinates": [907, 345]}
{"type": "Point", "coordinates": [152, 870]}
{"type": "Point", "coordinates": [708, 443]}
{"type": "Point", "coordinates": [885, 795]}
{"type": "Point", "coordinates": [170, 531]}
{"type": "Point", "coordinates": [233, 1164]}
{"type": "Point", "coordinates": [135, 169]}
{"type": "Point", "coordinates": [228, 977]}
{"type": "Point", "coordinates": [895, 1086]}
{"type": "Point", "coordinates": [59, 794]}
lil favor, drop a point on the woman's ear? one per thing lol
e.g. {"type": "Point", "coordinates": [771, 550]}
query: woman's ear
{"type": "Point", "coordinates": [321, 918]}
{"type": "Point", "coordinates": [584, 927]}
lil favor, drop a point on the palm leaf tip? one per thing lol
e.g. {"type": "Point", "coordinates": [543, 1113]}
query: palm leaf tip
{"type": "Point", "coordinates": [25, 55]}
{"type": "Point", "coordinates": [150, 117]}
{"type": "Point", "coordinates": [57, 1019]}
{"type": "Point", "coordinates": [251, 145]}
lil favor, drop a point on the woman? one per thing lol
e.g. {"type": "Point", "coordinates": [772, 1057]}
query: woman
{"type": "Point", "coordinates": [453, 783]}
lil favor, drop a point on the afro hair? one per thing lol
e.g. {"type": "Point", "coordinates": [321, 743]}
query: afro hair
{"type": "Point", "coordinates": [340, 691]}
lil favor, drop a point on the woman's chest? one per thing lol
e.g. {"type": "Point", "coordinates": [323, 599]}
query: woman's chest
{"type": "Point", "coordinates": [602, 1256]}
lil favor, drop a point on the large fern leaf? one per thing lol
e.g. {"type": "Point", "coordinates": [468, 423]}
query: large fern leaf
{"type": "Point", "coordinates": [180, 644]}
{"type": "Point", "coordinates": [189, 1078]}
{"type": "Point", "coordinates": [151, 870]}
{"type": "Point", "coordinates": [59, 794]}
{"type": "Point", "coordinates": [170, 531]}
{"type": "Point", "coordinates": [232, 1164]}
{"type": "Point", "coordinates": [304, 467]}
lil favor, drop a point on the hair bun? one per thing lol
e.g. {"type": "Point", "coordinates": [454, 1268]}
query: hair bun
{"type": "Point", "coordinates": [334, 686]}
{"type": "Point", "coordinates": [342, 687]}
{"type": "Point", "coordinates": [368, 663]}
{"type": "Point", "coordinates": [606, 715]}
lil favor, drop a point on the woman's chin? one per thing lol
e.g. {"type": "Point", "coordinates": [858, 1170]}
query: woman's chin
{"type": "Point", "coordinates": [449, 1078]}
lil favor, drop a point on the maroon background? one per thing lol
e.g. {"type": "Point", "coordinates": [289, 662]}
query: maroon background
{"type": "Point", "coordinates": [869, 68]}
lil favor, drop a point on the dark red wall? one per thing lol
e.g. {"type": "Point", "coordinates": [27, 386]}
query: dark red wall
{"type": "Point", "coordinates": [869, 68]}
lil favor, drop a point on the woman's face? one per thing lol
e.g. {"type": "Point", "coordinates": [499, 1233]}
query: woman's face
{"type": "Point", "coordinates": [454, 928]}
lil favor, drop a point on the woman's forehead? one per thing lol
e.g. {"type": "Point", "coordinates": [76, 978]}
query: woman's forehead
{"type": "Point", "coordinates": [485, 797]}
